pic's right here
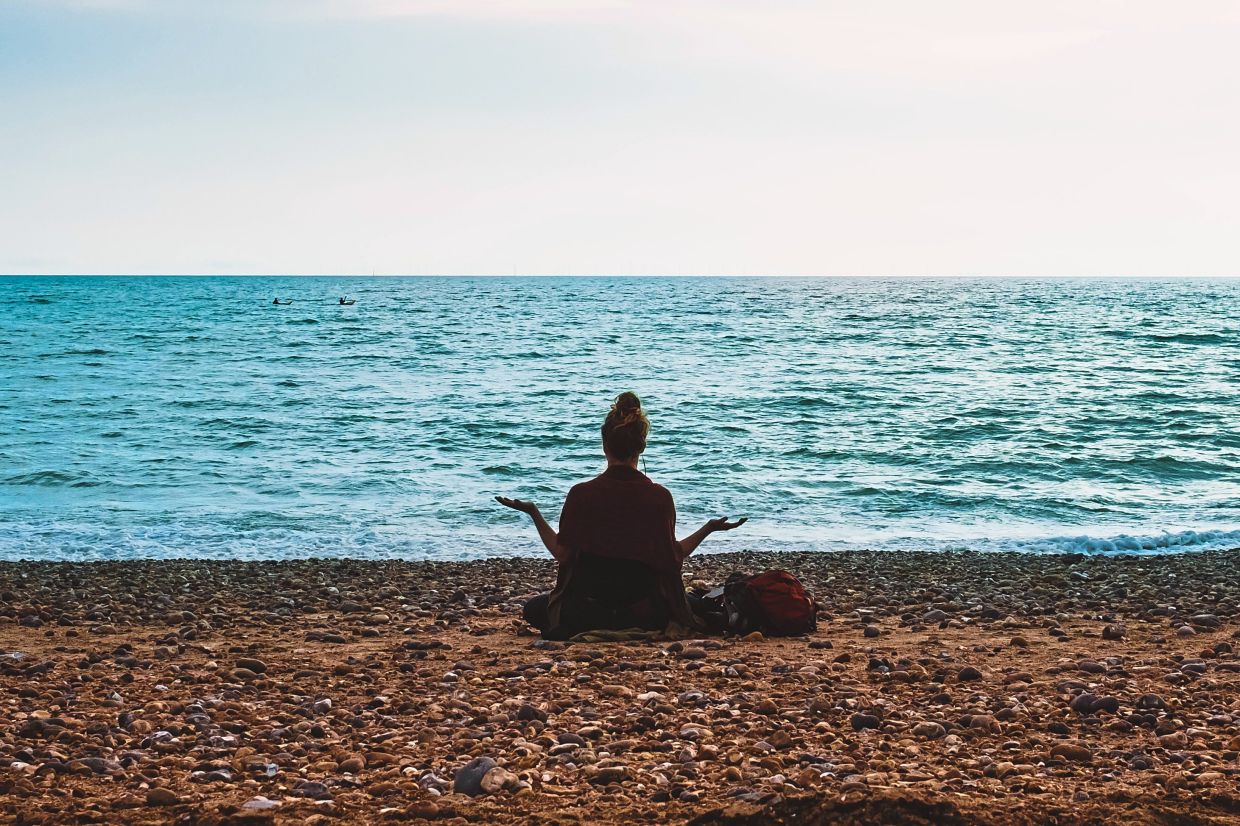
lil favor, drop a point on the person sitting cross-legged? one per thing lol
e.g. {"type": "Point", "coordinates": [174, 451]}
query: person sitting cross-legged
{"type": "Point", "coordinates": [619, 561]}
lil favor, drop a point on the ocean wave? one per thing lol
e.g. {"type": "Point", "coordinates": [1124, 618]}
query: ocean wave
{"type": "Point", "coordinates": [1119, 544]}
{"type": "Point", "coordinates": [272, 536]}
{"type": "Point", "coordinates": [1187, 338]}
{"type": "Point", "coordinates": [49, 478]}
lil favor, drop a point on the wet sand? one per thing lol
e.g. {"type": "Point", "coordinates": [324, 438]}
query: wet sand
{"type": "Point", "coordinates": [939, 688]}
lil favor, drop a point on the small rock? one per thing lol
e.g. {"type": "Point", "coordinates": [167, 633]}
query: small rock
{"type": "Point", "coordinates": [1175, 740]}
{"type": "Point", "coordinates": [313, 790]}
{"type": "Point", "coordinates": [260, 803]}
{"type": "Point", "coordinates": [1072, 752]}
{"type": "Point", "coordinates": [496, 779]}
{"type": "Point", "coordinates": [528, 712]}
{"type": "Point", "coordinates": [468, 778]}
{"type": "Point", "coordinates": [608, 774]}
{"type": "Point", "coordinates": [424, 810]}
{"type": "Point", "coordinates": [1082, 703]}
{"type": "Point", "coordinates": [162, 797]}
{"type": "Point", "coordinates": [1107, 704]}
{"type": "Point", "coordinates": [864, 721]}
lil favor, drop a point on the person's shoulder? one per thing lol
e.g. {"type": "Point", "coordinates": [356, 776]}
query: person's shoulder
{"type": "Point", "coordinates": [661, 491]}
{"type": "Point", "coordinates": [584, 486]}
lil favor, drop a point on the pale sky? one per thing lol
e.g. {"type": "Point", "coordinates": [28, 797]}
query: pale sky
{"type": "Point", "coordinates": [876, 137]}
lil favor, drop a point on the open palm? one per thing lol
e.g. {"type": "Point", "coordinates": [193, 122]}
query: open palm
{"type": "Point", "coordinates": [722, 524]}
{"type": "Point", "coordinates": [522, 505]}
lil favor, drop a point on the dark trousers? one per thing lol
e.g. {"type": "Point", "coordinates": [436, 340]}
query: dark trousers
{"type": "Point", "coordinates": [535, 611]}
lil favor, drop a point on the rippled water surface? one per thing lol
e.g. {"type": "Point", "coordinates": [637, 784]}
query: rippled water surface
{"type": "Point", "coordinates": [190, 417]}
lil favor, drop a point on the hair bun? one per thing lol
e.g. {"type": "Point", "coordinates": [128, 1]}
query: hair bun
{"type": "Point", "coordinates": [626, 427]}
{"type": "Point", "coordinates": [627, 402]}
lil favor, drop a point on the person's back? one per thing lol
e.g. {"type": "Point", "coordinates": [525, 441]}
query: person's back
{"type": "Point", "coordinates": [619, 529]}
{"type": "Point", "coordinates": [622, 514]}
{"type": "Point", "coordinates": [619, 559]}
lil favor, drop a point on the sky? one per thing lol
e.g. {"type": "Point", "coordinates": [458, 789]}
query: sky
{"type": "Point", "coordinates": [782, 137]}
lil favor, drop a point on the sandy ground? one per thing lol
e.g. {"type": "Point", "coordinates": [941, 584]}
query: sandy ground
{"type": "Point", "coordinates": [939, 688]}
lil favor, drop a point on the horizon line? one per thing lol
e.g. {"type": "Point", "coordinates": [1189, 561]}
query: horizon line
{"type": "Point", "coordinates": [1059, 276]}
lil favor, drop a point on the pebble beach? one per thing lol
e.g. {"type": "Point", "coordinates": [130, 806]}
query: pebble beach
{"type": "Point", "coordinates": [956, 688]}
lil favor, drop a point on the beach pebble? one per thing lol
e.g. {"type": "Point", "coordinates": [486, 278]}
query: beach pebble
{"type": "Point", "coordinates": [604, 774]}
{"type": "Point", "coordinates": [1072, 752]}
{"type": "Point", "coordinates": [260, 803]}
{"type": "Point", "coordinates": [496, 779]}
{"type": "Point", "coordinates": [160, 796]}
{"type": "Point", "coordinates": [1175, 740]}
{"type": "Point", "coordinates": [1082, 703]}
{"type": "Point", "coordinates": [864, 721]}
{"type": "Point", "coordinates": [528, 712]}
{"type": "Point", "coordinates": [468, 778]}
{"type": "Point", "coordinates": [929, 730]}
{"type": "Point", "coordinates": [313, 790]}
{"type": "Point", "coordinates": [1107, 704]}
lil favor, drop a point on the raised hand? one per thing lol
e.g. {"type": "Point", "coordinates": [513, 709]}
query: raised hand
{"type": "Point", "coordinates": [518, 505]}
{"type": "Point", "coordinates": [722, 524]}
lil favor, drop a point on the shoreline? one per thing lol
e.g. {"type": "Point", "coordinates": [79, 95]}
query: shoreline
{"type": "Point", "coordinates": [955, 687]}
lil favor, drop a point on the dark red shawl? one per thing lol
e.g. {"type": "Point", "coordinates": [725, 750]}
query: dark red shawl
{"type": "Point", "coordinates": [622, 514]}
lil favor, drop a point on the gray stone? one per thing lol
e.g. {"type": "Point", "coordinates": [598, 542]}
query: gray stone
{"type": "Point", "coordinates": [468, 778]}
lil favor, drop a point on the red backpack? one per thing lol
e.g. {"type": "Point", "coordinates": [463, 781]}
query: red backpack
{"type": "Point", "coordinates": [773, 602]}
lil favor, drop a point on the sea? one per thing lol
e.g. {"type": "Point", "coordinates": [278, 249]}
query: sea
{"type": "Point", "coordinates": [157, 417]}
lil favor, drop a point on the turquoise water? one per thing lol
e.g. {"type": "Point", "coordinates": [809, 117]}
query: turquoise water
{"type": "Point", "coordinates": [189, 417]}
